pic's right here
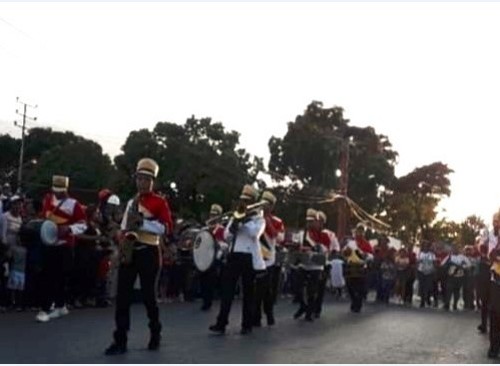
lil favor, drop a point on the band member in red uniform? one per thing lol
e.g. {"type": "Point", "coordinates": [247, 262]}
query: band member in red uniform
{"type": "Point", "coordinates": [208, 279]}
{"type": "Point", "coordinates": [146, 219]}
{"type": "Point", "coordinates": [329, 240]}
{"type": "Point", "coordinates": [267, 282]}
{"type": "Point", "coordinates": [69, 216]}
{"type": "Point", "coordinates": [311, 272]}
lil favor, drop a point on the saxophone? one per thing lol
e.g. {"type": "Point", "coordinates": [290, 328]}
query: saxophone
{"type": "Point", "coordinates": [132, 225]}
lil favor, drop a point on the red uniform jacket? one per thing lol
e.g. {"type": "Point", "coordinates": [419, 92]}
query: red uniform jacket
{"type": "Point", "coordinates": [154, 208]}
{"type": "Point", "coordinates": [65, 212]}
{"type": "Point", "coordinates": [275, 229]}
{"type": "Point", "coordinates": [363, 244]}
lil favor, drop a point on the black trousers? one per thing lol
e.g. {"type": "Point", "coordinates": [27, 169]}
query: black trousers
{"type": "Point", "coordinates": [453, 287]}
{"type": "Point", "coordinates": [356, 287]}
{"type": "Point", "coordinates": [275, 282]}
{"type": "Point", "coordinates": [239, 265]}
{"type": "Point", "coordinates": [32, 286]}
{"type": "Point", "coordinates": [410, 280]}
{"type": "Point", "coordinates": [425, 287]}
{"type": "Point", "coordinates": [308, 294]}
{"type": "Point", "coordinates": [264, 294]}
{"type": "Point", "coordinates": [494, 297]}
{"type": "Point", "coordinates": [483, 294]}
{"type": "Point", "coordinates": [57, 262]}
{"type": "Point", "coordinates": [186, 277]}
{"type": "Point", "coordinates": [4, 294]}
{"type": "Point", "coordinates": [468, 291]}
{"type": "Point", "coordinates": [146, 264]}
{"type": "Point", "coordinates": [85, 273]}
{"type": "Point", "coordinates": [296, 284]}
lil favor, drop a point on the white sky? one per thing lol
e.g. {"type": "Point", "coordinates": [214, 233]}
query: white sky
{"type": "Point", "coordinates": [425, 74]}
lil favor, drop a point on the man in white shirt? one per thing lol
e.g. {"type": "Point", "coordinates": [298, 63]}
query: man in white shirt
{"type": "Point", "coordinates": [492, 237]}
{"type": "Point", "coordinates": [243, 261]}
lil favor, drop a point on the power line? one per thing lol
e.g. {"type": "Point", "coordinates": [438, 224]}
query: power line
{"type": "Point", "coordinates": [16, 28]}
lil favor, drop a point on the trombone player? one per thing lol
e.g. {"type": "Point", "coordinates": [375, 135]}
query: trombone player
{"type": "Point", "coordinates": [243, 231]}
{"type": "Point", "coordinates": [266, 286]}
{"type": "Point", "coordinates": [147, 218]}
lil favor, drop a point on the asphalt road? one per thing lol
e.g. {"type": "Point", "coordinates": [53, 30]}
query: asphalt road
{"type": "Point", "coordinates": [380, 334]}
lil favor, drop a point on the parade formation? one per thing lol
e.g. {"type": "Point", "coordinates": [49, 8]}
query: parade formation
{"type": "Point", "coordinates": [63, 254]}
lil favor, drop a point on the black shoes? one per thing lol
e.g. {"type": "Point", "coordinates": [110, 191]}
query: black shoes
{"type": "Point", "coordinates": [115, 349]}
{"type": "Point", "coordinates": [245, 331]}
{"type": "Point", "coordinates": [309, 318]}
{"type": "Point", "coordinates": [481, 328]}
{"type": "Point", "coordinates": [154, 342]}
{"type": "Point", "coordinates": [206, 307]}
{"type": "Point", "coordinates": [270, 320]}
{"type": "Point", "coordinates": [216, 328]}
{"type": "Point", "coordinates": [299, 313]}
{"type": "Point", "coordinates": [317, 315]}
{"type": "Point", "coordinates": [492, 354]}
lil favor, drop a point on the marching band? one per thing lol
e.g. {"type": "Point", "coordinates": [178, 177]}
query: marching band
{"type": "Point", "coordinates": [245, 247]}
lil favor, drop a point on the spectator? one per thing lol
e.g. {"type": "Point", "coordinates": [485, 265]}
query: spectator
{"type": "Point", "coordinates": [426, 269]}
{"type": "Point", "coordinates": [483, 286]}
{"type": "Point", "coordinates": [470, 277]}
{"type": "Point", "coordinates": [457, 265]}
{"type": "Point", "coordinates": [387, 276]}
{"type": "Point", "coordinates": [337, 280]}
{"type": "Point", "coordinates": [15, 253]}
{"type": "Point", "coordinates": [411, 276]}
{"type": "Point", "coordinates": [402, 263]}
{"type": "Point", "coordinates": [355, 275]}
{"type": "Point", "coordinates": [86, 259]}
{"type": "Point", "coordinates": [5, 198]}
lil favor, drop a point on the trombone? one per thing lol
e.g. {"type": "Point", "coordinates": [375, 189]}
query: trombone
{"type": "Point", "coordinates": [236, 215]}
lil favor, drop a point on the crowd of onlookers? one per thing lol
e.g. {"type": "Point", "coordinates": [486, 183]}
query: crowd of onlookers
{"type": "Point", "coordinates": [440, 274]}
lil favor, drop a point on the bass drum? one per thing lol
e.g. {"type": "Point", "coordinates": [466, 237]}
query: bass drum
{"type": "Point", "coordinates": [204, 250]}
{"type": "Point", "coordinates": [44, 231]}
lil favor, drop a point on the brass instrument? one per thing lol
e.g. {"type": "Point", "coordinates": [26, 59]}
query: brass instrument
{"type": "Point", "coordinates": [236, 215]}
{"type": "Point", "coordinates": [133, 224]}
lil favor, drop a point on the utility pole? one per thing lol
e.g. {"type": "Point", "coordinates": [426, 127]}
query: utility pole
{"type": "Point", "coordinates": [23, 134]}
{"type": "Point", "coordinates": [344, 183]}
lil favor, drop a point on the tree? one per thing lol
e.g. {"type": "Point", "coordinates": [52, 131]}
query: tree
{"type": "Point", "coordinates": [200, 163]}
{"type": "Point", "coordinates": [82, 161]}
{"type": "Point", "coordinates": [310, 154]}
{"type": "Point", "coordinates": [9, 158]}
{"type": "Point", "coordinates": [413, 201]}
{"type": "Point", "coordinates": [470, 229]}
{"type": "Point", "coordinates": [49, 152]}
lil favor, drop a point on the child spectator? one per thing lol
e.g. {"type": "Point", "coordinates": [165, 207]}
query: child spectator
{"type": "Point", "coordinates": [337, 280]}
{"type": "Point", "coordinates": [17, 275]}
{"type": "Point", "coordinates": [402, 262]}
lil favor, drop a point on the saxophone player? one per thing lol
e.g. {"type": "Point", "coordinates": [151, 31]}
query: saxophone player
{"type": "Point", "coordinates": [146, 219]}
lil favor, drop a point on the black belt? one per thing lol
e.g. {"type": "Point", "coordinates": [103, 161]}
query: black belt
{"type": "Point", "coordinates": [140, 246]}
